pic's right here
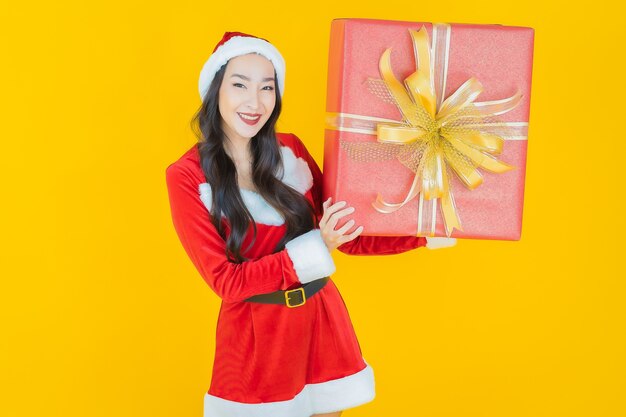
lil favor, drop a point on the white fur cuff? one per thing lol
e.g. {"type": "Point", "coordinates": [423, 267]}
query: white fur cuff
{"type": "Point", "coordinates": [310, 256]}
{"type": "Point", "coordinates": [440, 242]}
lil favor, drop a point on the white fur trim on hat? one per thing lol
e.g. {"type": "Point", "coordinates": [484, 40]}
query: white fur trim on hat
{"type": "Point", "coordinates": [236, 46]}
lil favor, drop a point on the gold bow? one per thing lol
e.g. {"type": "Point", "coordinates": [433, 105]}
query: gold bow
{"type": "Point", "coordinates": [458, 133]}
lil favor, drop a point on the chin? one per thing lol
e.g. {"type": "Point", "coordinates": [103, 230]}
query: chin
{"type": "Point", "coordinates": [248, 134]}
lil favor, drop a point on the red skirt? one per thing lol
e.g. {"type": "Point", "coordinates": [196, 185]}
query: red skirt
{"type": "Point", "coordinates": [276, 361]}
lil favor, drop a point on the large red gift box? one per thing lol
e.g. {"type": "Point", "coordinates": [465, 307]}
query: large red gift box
{"type": "Point", "coordinates": [426, 126]}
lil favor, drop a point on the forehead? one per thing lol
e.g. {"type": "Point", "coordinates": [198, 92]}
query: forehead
{"type": "Point", "coordinates": [252, 65]}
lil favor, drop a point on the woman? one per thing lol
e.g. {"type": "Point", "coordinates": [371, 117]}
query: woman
{"type": "Point", "coordinates": [246, 205]}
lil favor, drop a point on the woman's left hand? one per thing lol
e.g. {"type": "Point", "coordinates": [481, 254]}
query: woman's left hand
{"type": "Point", "coordinates": [440, 242]}
{"type": "Point", "coordinates": [332, 214]}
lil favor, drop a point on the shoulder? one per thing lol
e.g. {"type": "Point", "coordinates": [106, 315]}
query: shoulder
{"type": "Point", "coordinates": [191, 157]}
{"type": "Point", "coordinates": [293, 142]}
{"type": "Point", "coordinates": [187, 165]}
{"type": "Point", "coordinates": [189, 160]}
{"type": "Point", "coordinates": [294, 153]}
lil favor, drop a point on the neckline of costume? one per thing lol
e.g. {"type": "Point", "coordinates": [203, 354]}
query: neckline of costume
{"type": "Point", "coordinates": [248, 191]}
{"type": "Point", "coordinates": [296, 174]}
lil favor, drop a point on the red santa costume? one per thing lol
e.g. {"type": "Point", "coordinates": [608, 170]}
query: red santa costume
{"type": "Point", "coordinates": [272, 360]}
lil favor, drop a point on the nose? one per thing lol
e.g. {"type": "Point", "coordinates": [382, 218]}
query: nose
{"type": "Point", "coordinates": [253, 100]}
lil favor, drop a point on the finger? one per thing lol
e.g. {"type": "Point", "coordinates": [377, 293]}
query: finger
{"type": "Point", "coordinates": [334, 218]}
{"type": "Point", "coordinates": [336, 207]}
{"type": "Point", "coordinates": [330, 211]}
{"type": "Point", "coordinates": [324, 218]}
{"type": "Point", "coordinates": [440, 242]}
{"type": "Point", "coordinates": [344, 229]}
{"type": "Point", "coordinates": [326, 203]}
{"type": "Point", "coordinates": [351, 236]}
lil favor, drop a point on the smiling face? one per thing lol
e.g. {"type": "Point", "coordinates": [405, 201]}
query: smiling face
{"type": "Point", "coordinates": [247, 95]}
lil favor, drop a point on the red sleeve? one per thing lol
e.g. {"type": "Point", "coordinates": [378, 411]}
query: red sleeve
{"type": "Point", "coordinates": [361, 245]}
{"type": "Point", "coordinates": [304, 258]}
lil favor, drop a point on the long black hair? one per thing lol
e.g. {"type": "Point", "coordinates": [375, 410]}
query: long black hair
{"type": "Point", "coordinates": [221, 174]}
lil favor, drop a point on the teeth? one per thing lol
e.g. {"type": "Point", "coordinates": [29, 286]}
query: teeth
{"type": "Point", "coordinates": [248, 117]}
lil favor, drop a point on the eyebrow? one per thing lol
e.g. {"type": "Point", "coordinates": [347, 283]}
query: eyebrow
{"type": "Point", "coordinates": [248, 79]}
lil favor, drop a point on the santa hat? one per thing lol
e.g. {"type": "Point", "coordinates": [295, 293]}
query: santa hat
{"type": "Point", "coordinates": [234, 44]}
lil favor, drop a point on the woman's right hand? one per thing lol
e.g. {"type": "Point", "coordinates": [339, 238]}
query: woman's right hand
{"type": "Point", "coordinates": [332, 213]}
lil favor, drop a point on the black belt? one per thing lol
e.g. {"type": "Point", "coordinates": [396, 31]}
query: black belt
{"type": "Point", "coordinates": [291, 298]}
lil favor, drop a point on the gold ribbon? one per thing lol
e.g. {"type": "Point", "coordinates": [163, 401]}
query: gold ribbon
{"type": "Point", "coordinates": [433, 135]}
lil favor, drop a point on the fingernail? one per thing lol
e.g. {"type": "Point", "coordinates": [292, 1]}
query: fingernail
{"type": "Point", "coordinates": [342, 202]}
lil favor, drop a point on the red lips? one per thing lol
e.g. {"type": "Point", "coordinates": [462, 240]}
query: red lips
{"type": "Point", "coordinates": [250, 122]}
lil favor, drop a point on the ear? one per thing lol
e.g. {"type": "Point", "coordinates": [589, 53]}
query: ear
{"type": "Point", "coordinates": [440, 242]}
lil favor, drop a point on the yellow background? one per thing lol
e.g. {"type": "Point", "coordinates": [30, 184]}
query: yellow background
{"type": "Point", "coordinates": [103, 314]}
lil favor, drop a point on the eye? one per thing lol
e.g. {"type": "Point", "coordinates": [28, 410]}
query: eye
{"type": "Point", "coordinates": [268, 86]}
{"type": "Point", "coordinates": [236, 84]}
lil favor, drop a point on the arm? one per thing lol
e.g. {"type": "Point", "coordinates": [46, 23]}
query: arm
{"type": "Point", "coordinates": [361, 245]}
{"type": "Point", "coordinates": [304, 259]}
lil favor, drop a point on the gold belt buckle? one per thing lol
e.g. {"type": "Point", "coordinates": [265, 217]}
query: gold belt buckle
{"type": "Point", "coordinates": [288, 296]}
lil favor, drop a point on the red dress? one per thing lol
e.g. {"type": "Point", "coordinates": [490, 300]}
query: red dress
{"type": "Point", "coordinates": [271, 360]}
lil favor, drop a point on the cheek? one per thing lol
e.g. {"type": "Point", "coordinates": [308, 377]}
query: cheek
{"type": "Point", "coordinates": [223, 108]}
{"type": "Point", "coordinates": [227, 99]}
{"type": "Point", "coordinates": [227, 113]}
{"type": "Point", "coordinates": [269, 102]}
